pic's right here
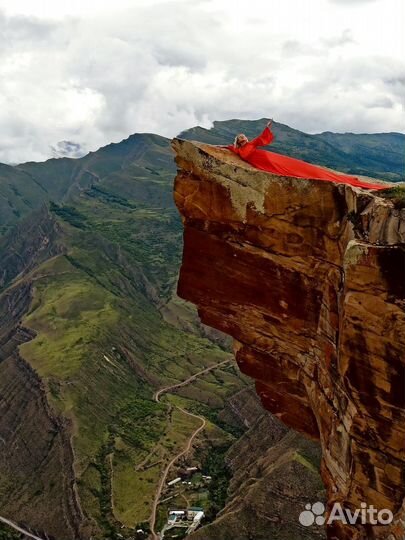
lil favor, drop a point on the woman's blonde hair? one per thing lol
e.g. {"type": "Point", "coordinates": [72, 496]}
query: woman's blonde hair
{"type": "Point", "coordinates": [236, 142]}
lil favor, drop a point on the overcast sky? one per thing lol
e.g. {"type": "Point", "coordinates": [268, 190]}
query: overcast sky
{"type": "Point", "coordinates": [95, 71]}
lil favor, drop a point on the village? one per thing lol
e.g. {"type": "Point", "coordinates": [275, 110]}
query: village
{"type": "Point", "coordinates": [183, 520]}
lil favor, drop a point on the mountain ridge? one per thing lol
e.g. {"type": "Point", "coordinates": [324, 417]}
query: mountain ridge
{"type": "Point", "coordinates": [57, 179]}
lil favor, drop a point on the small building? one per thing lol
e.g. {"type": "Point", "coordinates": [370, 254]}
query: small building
{"type": "Point", "coordinates": [173, 482]}
{"type": "Point", "coordinates": [198, 517]}
{"type": "Point", "coordinates": [196, 520]}
{"type": "Point", "coordinates": [175, 515]}
{"type": "Point", "coordinates": [177, 512]}
{"type": "Point", "coordinates": [194, 511]}
{"type": "Point", "coordinates": [192, 469]}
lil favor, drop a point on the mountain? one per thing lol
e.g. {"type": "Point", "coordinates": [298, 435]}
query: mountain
{"type": "Point", "coordinates": [91, 327]}
{"type": "Point", "coordinates": [84, 346]}
{"type": "Point", "coordinates": [19, 195]}
{"type": "Point", "coordinates": [26, 187]}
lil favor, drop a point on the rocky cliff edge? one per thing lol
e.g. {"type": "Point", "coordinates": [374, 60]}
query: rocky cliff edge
{"type": "Point", "coordinates": [308, 277]}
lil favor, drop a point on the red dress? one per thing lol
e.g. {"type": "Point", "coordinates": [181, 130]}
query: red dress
{"type": "Point", "coordinates": [287, 166]}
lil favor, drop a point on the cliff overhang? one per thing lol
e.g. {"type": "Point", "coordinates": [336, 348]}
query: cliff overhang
{"type": "Point", "coordinates": [308, 277]}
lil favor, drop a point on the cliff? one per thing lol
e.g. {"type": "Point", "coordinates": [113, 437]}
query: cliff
{"type": "Point", "coordinates": [308, 277]}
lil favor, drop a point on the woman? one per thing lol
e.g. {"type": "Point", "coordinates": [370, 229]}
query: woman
{"type": "Point", "coordinates": [287, 166]}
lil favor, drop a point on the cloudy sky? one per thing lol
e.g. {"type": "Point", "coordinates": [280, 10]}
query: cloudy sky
{"type": "Point", "coordinates": [94, 71]}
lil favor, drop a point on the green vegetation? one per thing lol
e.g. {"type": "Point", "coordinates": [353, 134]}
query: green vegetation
{"type": "Point", "coordinates": [19, 195]}
{"type": "Point", "coordinates": [111, 198]}
{"type": "Point", "coordinates": [6, 533]}
{"type": "Point", "coordinates": [133, 491]}
{"type": "Point", "coordinates": [213, 415]}
{"type": "Point", "coordinates": [139, 423]}
{"type": "Point", "coordinates": [71, 313]}
{"type": "Point", "coordinates": [301, 459]}
{"type": "Point", "coordinates": [215, 466]}
{"type": "Point", "coordinates": [396, 195]}
{"type": "Point", "coordinates": [101, 346]}
{"type": "Point", "coordinates": [308, 454]}
{"type": "Point", "coordinates": [69, 214]}
{"type": "Point", "coordinates": [150, 236]}
{"type": "Point", "coordinates": [102, 464]}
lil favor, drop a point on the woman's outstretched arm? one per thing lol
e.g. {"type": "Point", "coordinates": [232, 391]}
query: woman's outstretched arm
{"type": "Point", "coordinates": [266, 137]}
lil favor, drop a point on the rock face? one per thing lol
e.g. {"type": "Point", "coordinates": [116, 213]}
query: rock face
{"type": "Point", "coordinates": [308, 277]}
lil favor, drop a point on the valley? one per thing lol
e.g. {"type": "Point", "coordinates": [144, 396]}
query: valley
{"type": "Point", "coordinates": [104, 268]}
{"type": "Point", "coordinates": [107, 378]}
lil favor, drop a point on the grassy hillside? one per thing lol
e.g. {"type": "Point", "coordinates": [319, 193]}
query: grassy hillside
{"type": "Point", "coordinates": [26, 187]}
{"type": "Point", "coordinates": [102, 347]}
{"type": "Point", "coordinates": [19, 195]}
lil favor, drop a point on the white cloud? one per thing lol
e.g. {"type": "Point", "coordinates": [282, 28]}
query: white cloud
{"type": "Point", "coordinates": [94, 72]}
{"type": "Point", "coordinates": [352, 2]}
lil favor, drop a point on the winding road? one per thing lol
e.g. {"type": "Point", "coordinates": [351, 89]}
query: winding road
{"type": "Point", "coordinates": [166, 389]}
{"type": "Point", "coordinates": [157, 395]}
{"type": "Point", "coordinates": [18, 528]}
{"type": "Point", "coordinates": [163, 478]}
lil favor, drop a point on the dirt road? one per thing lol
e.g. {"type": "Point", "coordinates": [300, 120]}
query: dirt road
{"type": "Point", "coordinates": [165, 390]}
{"type": "Point", "coordinates": [157, 395]}
{"type": "Point", "coordinates": [18, 528]}
{"type": "Point", "coordinates": [163, 478]}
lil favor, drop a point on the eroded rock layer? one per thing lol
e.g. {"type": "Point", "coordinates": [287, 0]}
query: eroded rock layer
{"type": "Point", "coordinates": [308, 277]}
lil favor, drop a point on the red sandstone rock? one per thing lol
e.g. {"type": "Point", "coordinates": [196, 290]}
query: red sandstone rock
{"type": "Point", "coordinates": [308, 277]}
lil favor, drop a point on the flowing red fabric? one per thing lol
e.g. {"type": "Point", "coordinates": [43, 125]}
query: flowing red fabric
{"type": "Point", "coordinates": [287, 166]}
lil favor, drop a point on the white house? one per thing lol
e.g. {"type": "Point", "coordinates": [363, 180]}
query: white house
{"type": "Point", "coordinates": [173, 482]}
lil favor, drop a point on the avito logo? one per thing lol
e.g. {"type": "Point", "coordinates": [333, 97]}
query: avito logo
{"type": "Point", "coordinates": [314, 514]}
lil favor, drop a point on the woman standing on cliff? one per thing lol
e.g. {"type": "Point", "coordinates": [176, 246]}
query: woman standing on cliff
{"type": "Point", "coordinates": [287, 166]}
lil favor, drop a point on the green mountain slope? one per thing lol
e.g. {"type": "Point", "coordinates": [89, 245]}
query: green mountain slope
{"type": "Point", "coordinates": [19, 195]}
{"type": "Point", "coordinates": [100, 268]}
{"type": "Point", "coordinates": [100, 347]}
{"type": "Point", "coordinates": [27, 186]}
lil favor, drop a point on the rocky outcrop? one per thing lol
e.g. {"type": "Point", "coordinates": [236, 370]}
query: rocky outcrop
{"type": "Point", "coordinates": [308, 277]}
